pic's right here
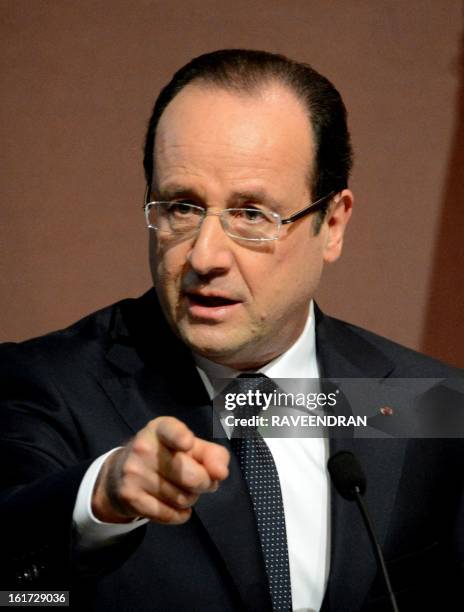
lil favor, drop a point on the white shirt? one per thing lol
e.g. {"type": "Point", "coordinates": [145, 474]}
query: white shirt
{"type": "Point", "coordinates": [302, 467]}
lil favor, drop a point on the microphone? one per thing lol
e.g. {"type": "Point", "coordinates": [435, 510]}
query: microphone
{"type": "Point", "coordinates": [350, 482]}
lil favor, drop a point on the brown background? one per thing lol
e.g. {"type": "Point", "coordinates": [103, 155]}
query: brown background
{"type": "Point", "coordinates": [78, 83]}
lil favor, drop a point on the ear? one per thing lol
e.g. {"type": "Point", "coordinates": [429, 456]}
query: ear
{"type": "Point", "coordinates": [338, 216]}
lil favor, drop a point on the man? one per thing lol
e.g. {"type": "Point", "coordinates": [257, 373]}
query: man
{"type": "Point", "coordinates": [115, 487]}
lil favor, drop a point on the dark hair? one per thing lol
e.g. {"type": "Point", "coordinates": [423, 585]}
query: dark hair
{"type": "Point", "coordinates": [244, 70]}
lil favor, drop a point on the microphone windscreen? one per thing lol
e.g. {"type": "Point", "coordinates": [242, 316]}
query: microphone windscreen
{"type": "Point", "coordinates": [347, 474]}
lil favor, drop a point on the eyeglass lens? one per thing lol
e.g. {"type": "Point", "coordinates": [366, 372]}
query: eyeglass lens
{"type": "Point", "coordinates": [184, 218]}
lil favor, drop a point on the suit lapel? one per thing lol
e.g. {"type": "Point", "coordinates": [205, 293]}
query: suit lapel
{"type": "Point", "coordinates": [342, 353]}
{"type": "Point", "coordinates": [151, 373]}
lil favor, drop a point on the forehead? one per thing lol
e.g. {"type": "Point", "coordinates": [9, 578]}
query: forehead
{"type": "Point", "coordinates": [206, 130]}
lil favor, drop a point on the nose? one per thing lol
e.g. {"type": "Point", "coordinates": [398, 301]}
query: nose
{"type": "Point", "coordinates": [210, 252]}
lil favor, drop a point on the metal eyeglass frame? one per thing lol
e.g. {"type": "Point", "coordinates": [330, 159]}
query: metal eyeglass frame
{"type": "Point", "coordinates": [299, 214]}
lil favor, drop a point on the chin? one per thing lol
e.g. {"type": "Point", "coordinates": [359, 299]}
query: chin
{"type": "Point", "coordinates": [213, 345]}
{"type": "Point", "coordinates": [236, 353]}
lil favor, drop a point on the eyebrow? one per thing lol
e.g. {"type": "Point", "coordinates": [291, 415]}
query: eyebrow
{"type": "Point", "coordinates": [254, 195]}
{"type": "Point", "coordinates": [175, 191]}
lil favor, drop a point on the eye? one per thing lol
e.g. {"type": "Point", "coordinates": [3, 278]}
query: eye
{"type": "Point", "coordinates": [182, 209]}
{"type": "Point", "coordinates": [249, 215]}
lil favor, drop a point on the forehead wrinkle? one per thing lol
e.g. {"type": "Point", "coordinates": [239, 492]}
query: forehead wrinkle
{"type": "Point", "coordinates": [201, 149]}
{"type": "Point", "coordinates": [219, 156]}
{"type": "Point", "coordinates": [230, 168]}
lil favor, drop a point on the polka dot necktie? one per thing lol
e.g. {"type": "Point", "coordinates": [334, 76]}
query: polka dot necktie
{"type": "Point", "coordinates": [262, 479]}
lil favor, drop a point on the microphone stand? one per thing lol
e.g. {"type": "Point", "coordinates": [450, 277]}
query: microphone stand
{"type": "Point", "coordinates": [375, 545]}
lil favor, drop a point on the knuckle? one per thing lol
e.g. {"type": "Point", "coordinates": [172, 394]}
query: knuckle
{"type": "Point", "coordinates": [131, 468]}
{"type": "Point", "coordinates": [142, 446]}
{"type": "Point", "coordinates": [127, 494]}
{"type": "Point", "coordinates": [164, 421]}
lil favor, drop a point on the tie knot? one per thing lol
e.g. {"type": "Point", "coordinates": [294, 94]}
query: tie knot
{"type": "Point", "coordinates": [244, 398]}
{"type": "Point", "coordinates": [253, 381]}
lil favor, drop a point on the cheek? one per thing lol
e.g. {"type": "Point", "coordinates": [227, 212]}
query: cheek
{"type": "Point", "coordinates": [166, 263]}
{"type": "Point", "coordinates": [297, 270]}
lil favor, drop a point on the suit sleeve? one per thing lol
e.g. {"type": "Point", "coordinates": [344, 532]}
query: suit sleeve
{"type": "Point", "coordinates": [42, 463]}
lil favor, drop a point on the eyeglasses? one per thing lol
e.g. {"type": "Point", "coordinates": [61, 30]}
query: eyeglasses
{"type": "Point", "coordinates": [256, 224]}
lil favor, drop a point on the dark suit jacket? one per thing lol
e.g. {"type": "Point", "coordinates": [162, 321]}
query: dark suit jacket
{"type": "Point", "coordinates": [70, 396]}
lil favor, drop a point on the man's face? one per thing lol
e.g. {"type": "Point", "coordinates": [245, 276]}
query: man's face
{"type": "Point", "coordinates": [238, 303]}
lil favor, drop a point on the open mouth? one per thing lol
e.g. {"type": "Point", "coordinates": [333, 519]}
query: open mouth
{"type": "Point", "coordinates": [210, 301]}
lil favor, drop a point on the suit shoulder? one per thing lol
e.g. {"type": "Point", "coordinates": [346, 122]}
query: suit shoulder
{"type": "Point", "coordinates": [81, 341]}
{"type": "Point", "coordinates": [408, 362]}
